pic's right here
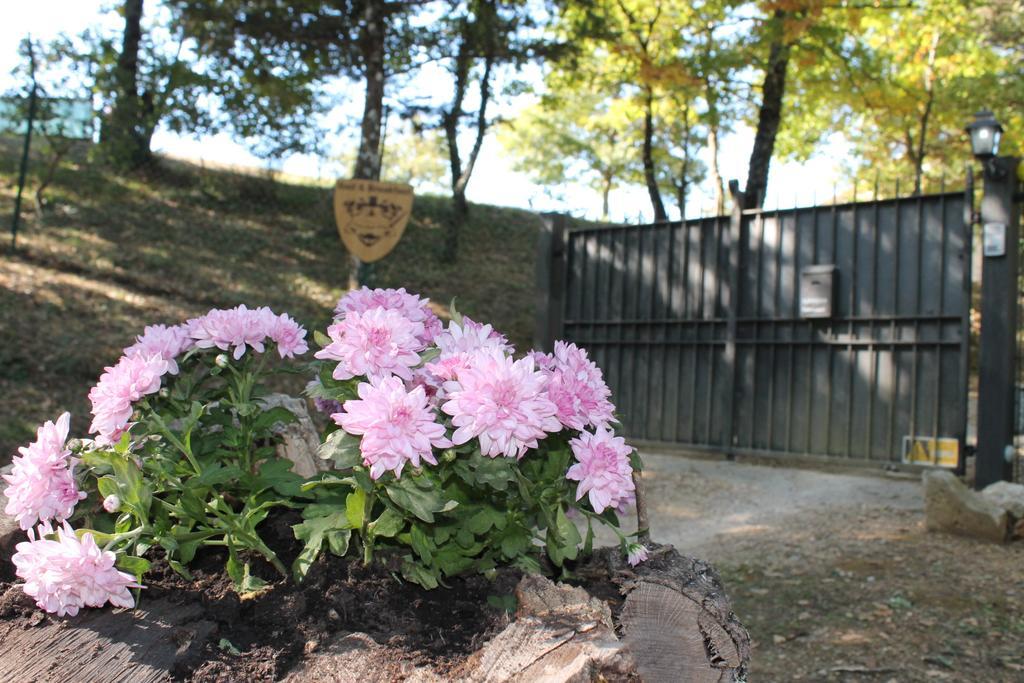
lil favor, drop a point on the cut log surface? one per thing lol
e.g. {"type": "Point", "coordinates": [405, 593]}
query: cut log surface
{"type": "Point", "coordinates": [677, 621]}
{"type": "Point", "coordinates": [139, 646]}
{"type": "Point", "coordinates": [675, 625]}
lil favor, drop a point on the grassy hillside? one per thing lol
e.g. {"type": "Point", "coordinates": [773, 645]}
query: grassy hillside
{"type": "Point", "coordinates": [113, 253]}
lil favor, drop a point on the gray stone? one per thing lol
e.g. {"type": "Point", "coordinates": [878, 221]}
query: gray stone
{"type": "Point", "coordinates": [952, 507]}
{"type": "Point", "coordinates": [10, 532]}
{"type": "Point", "coordinates": [300, 439]}
{"type": "Point", "coordinates": [1008, 496]}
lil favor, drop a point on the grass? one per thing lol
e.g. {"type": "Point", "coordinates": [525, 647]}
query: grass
{"type": "Point", "coordinates": [114, 252]}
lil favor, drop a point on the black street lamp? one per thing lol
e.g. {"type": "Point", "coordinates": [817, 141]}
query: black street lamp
{"type": "Point", "coordinates": [985, 132]}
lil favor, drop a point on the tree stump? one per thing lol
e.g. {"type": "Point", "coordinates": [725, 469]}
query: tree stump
{"type": "Point", "coordinates": [674, 623]}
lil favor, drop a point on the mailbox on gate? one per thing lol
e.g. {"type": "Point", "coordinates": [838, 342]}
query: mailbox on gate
{"type": "Point", "coordinates": [817, 291]}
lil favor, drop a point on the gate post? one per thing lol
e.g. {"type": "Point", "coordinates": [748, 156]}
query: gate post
{"type": "Point", "coordinates": [550, 283]}
{"type": "Point", "coordinates": [1000, 220]}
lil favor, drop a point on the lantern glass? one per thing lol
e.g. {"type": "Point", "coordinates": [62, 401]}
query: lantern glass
{"type": "Point", "coordinates": [985, 133]}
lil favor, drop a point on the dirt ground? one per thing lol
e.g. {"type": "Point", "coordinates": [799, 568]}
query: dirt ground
{"type": "Point", "coordinates": [836, 577]}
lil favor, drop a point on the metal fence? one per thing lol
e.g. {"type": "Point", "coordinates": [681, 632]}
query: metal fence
{"type": "Point", "coordinates": [699, 330]}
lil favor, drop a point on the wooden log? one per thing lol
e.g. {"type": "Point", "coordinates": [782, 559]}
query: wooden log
{"type": "Point", "coordinates": [675, 623]}
{"type": "Point", "coordinates": [137, 646]}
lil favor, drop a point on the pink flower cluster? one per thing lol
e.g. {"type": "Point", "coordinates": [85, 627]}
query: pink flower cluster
{"type": "Point", "coordinates": [67, 573]}
{"type": "Point", "coordinates": [163, 341]}
{"type": "Point", "coordinates": [42, 483]}
{"type": "Point", "coordinates": [376, 343]}
{"type": "Point", "coordinates": [120, 386]}
{"type": "Point", "coordinates": [397, 426]}
{"type": "Point", "coordinates": [240, 327]}
{"type": "Point", "coordinates": [502, 402]}
{"type": "Point", "coordinates": [411, 307]}
{"type": "Point", "coordinates": [578, 389]}
{"type": "Point", "coordinates": [458, 345]}
{"type": "Point", "coordinates": [602, 467]}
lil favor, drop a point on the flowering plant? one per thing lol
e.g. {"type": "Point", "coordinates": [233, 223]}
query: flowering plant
{"type": "Point", "coordinates": [450, 455]}
{"type": "Point", "coordinates": [182, 457]}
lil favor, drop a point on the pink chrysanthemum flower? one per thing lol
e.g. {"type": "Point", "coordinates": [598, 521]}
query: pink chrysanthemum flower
{"type": "Point", "coordinates": [161, 340]}
{"type": "Point", "coordinates": [289, 336]}
{"type": "Point", "coordinates": [119, 387]}
{"type": "Point", "coordinates": [42, 482]}
{"type": "Point", "coordinates": [409, 305]}
{"type": "Point", "coordinates": [240, 327]}
{"type": "Point", "coordinates": [578, 389]}
{"type": "Point", "coordinates": [602, 468]}
{"type": "Point", "coordinates": [544, 361]}
{"type": "Point", "coordinates": [397, 426]}
{"type": "Point", "coordinates": [502, 402]}
{"type": "Point", "coordinates": [66, 574]}
{"type": "Point", "coordinates": [635, 554]}
{"type": "Point", "coordinates": [458, 344]}
{"type": "Point", "coordinates": [376, 343]}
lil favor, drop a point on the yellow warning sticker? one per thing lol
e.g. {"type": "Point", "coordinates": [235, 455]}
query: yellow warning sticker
{"type": "Point", "coordinates": [926, 450]}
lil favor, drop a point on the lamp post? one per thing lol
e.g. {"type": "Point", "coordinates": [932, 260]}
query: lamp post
{"type": "Point", "coordinates": [1000, 221]}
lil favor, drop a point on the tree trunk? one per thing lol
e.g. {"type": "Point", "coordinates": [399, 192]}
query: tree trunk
{"type": "Point", "coordinates": [769, 117]}
{"type": "Point", "coordinates": [648, 159]}
{"type": "Point", "coordinates": [122, 134]}
{"type": "Point", "coordinates": [716, 173]}
{"type": "Point", "coordinates": [368, 158]}
{"type": "Point", "coordinates": [606, 190]}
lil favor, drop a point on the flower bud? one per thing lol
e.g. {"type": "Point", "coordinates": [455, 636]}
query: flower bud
{"type": "Point", "coordinates": [111, 503]}
{"type": "Point", "coordinates": [449, 455]}
{"type": "Point", "coordinates": [221, 361]}
{"type": "Point", "coordinates": [164, 392]}
{"type": "Point", "coordinates": [635, 554]}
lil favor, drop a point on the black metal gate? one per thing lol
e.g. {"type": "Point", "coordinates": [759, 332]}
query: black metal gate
{"type": "Point", "coordinates": [698, 326]}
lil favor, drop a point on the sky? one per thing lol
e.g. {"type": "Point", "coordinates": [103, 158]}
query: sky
{"type": "Point", "coordinates": [494, 181]}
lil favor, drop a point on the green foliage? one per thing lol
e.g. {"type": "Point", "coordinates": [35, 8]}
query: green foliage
{"type": "Point", "coordinates": [201, 471]}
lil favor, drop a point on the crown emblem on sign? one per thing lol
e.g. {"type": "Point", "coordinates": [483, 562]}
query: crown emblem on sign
{"type": "Point", "coordinates": [372, 210]}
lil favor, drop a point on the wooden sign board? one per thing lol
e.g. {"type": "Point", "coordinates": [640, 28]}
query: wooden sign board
{"type": "Point", "coordinates": [371, 216]}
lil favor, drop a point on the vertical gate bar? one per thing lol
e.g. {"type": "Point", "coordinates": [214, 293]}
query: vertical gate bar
{"type": "Point", "coordinates": [694, 353]}
{"type": "Point", "coordinates": [965, 314]}
{"type": "Point", "coordinates": [891, 437]}
{"type": "Point", "coordinates": [634, 347]}
{"type": "Point", "coordinates": [831, 336]}
{"type": "Point", "coordinates": [732, 309]}
{"type": "Point", "coordinates": [874, 351]}
{"type": "Point", "coordinates": [811, 346]}
{"type": "Point", "coordinates": [755, 349]}
{"type": "Point", "coordinates": [697, 317]}
{"type": "Point", "coordinates": [621, 346]}
{"type": "Point", "coordinates": [774, 327]}
{"type": "Point", "coordinates": [667, 315]}
{"type": "Point", "coordinates": [701, 285]}
{"type": "Point", "coordinates": [939, 323]}
{"type": "Point", "coordinates": [792, 330]}
{"type": "Point", "coordinates": [714, 328]}
{"type": "Point", "coordinates": [686, 271]}
{"type": "Point", "coordinates": [916, 346]}
{"type": "Point", "coordinates": [850, 331]}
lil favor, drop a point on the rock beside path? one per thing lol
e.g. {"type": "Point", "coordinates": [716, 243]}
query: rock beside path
{"type": "Point", "coordinates": [950, 506]}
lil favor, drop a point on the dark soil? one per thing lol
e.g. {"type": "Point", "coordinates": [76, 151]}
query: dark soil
{"type": "Point", "coordinates": [262, 637]}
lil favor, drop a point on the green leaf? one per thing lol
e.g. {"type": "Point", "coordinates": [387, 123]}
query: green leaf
{"type": "Point", "coordinates": [355, 503]}
{"type": "Point", "coordinates": [513, 544]}
{"type": "Point", "coordinates": [451, 561]}
{"type": "Point", "coordinates": [343, 449]}
{"type": "Point", "coordinates": [277, 474]}
{"type": "Point", "coordinates": [274, 416]}
{"type": "Point", "coordinates": [133, 565]}
{"type": "Point", "coordinates": [417, 573]}
{"type": "Point", "coordinates": [416, 498]}
{"type": "Point", "coordinates": [422, 544]}
{"type": "Point", "coordinates": [506, 603]}
{"type": "Point", "coordinates": [563, 539]}
{"type": "Point", "coordinates": [388, 524]}
{"type": "Point", "coordinates": [337, 541]}
{"type": "Point", "coordinates": [215, 475]}
{"type": "Point", "coordinates": [482, 522]}
{"type": "Point", "coordinates": [321, 339]}
{"type": "Point", "coordinates": [636, 462]}
{"type": "Point", "coordinates": [313, 532]}
{"type": "Point", "coordinates": [180, 569]}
